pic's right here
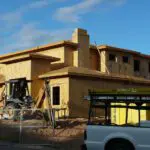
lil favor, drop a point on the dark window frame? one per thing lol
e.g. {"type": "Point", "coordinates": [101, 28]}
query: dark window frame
{"type": "Point", "coordinates": [112, 57]}
{"type": "Point", "coordinates": [125, 59]}
{"type": "Point", "coordinates": [56, 95]}
{"type": "Point", "coordinates": [149, 67]}
{"type": "Point", "coordinates": [137, 64]}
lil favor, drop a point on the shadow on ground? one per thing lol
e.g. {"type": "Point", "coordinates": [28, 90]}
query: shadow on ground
{"type": "Point", "coordinates": [67, 136]}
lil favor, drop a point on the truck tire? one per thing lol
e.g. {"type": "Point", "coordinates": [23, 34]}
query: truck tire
{"type": "Point", "coordinates": [10, 112]}
{"type": "Point", "coordinates": [119, 144]}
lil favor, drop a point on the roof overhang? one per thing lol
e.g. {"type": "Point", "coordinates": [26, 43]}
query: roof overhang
{"type": "Point", "coordinates": [39, 48]}
{"type": "Point", "coordinates": [116, 49]}
{"type": "Point", "coordinates": [28, 57]}
{"type": "Point", "coordinates": [92, 74]}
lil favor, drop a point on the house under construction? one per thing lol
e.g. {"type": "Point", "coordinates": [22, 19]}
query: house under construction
{"type": "Point", "coordinates": [75, 66]}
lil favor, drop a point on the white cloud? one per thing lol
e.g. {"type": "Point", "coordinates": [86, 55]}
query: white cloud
{"type": "Point", "coordinates": [11, 18]}
{"type": "Point", "coordinates": [14, 17]}
{"type": "Point", "coordinates": [30, 35]}
{"type": "Point", "coordinates": [39, 4]}
{"type": "Point", "coordinates": [74, 12]}
{"type": "Point", "coordinates": [116, 2]}
{"type": "Point", "coordinates": [22, 36]}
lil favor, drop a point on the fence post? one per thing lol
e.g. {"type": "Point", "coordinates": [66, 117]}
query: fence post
{"type": "Point", "coordinates": [20, 133]}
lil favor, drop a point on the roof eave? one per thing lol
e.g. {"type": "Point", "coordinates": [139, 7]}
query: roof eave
{"type": "Point", "coordinates": [28, 57]}
{"type": "Point", "coordinates": [39, 48]}
{"type": "Point", "coordinates": [107, 77]}
{"type": "Point", "coordinates": [109, 48]}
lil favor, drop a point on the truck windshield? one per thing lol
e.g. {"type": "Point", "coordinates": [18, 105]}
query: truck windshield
{"type": "Point", "coordinates": [119, 109]}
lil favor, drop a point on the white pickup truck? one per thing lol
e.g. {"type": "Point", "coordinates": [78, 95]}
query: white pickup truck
{"type": "Point", "coordinates": [109, 136]}
{"type": "Point", "coordinates": [99, 137]}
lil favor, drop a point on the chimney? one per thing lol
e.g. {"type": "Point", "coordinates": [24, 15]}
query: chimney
{"type": "Point", "coordinates": [81, 55]}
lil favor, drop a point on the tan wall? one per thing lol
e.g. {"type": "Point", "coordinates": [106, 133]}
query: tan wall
{"type": "Point", "coordinates": [63, 83]}
{"type": "Point", "coordinates": [94, 60]}
{"type": "Point", "coordinates": [75, 58]}
{"type": "Point", "coordinates": [39, 67]}
{"type": "Point", "coordinates": [79, 88]}
{"type": "Point", "coordinates": [82, 56]}
{"type": "Point", "coordinates": [144, 71]}
{"type": "Point", "coordinates": [103, 66]}
{"type": "Point", "coordinates": [55, 52]}
{"type": "Point", "coordinates": [30, 69]}
{"type": "Point", "coordinates": [3, 69]}
{"type": "Point", "coordinates": [121, 68]}
{"type": "Point", "coordinates": [68, 58]}
{"type": "Point", "coordinates": [17, 70]}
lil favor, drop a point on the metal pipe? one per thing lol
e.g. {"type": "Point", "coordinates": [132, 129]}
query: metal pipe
{"type": "Point", "coordinates": [127, 108]}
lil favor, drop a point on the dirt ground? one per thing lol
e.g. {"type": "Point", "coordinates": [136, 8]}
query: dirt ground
{"type": "Point", "coordinates": [68, 134]}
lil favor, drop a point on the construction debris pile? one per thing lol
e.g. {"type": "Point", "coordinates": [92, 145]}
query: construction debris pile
{"type": "Point", "coordinates": [16, 101]}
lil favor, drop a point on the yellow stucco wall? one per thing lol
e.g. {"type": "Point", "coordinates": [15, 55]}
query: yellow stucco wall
{"type": "Point", "coordinates": [68, 56]}
{"type": "Point", "coordinates": [17, 70]}
{"type": "Point", "coordinates": [79, 88]}
{"type": "Point", "coordinates": [103, 66]}
{"type": "Point", "coordinates": [3, 69]}
{"type": "Point", "coordinates": [75, 58]}
{"type": "Point", "coordinates": [38, 67]}
{"type": "Point", "coordinates": [55, 52]}
{"type": "Point", "coordinates": [82, 56]}
{"type": "Point", "coordinates": [79, 107]}
{"type": "Point", "coordinates": [63, 83]}
{"type": "Point", "coordinates": [30, 69]}
{"type": "Point", "coordinates": [94, 60]}
{"type": "Point", "coordinates": [119, 67]}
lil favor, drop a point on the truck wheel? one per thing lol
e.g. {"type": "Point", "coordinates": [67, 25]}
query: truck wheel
{"type": "Point", "coordinates": [10, 112]}
{"type": "Point", "coordinates": [119, 144]}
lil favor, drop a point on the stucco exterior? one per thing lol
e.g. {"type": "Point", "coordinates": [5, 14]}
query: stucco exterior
{"type": "Point", "coordinates": [119, 67]}
{"type": "Point", "coordinates": [75, 66]}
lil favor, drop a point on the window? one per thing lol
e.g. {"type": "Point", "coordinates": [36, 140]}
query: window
{"type": "Point", "coordinates": [125, 59]}
{"type": "Point", "coordinates": [136, 65]}
{"type": "Point", "coordinates": [149, 67]}
{"type": "Point", "coordinates": [112, 57]}
{"type": "Point", "coordinates": [56, 95]}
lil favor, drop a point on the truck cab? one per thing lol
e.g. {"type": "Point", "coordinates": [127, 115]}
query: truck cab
{"type": "Point", "coordinates": [103, 134]}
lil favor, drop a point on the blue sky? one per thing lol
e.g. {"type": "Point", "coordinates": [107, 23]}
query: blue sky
{"type": "Point", "coordinates": [28, 23]}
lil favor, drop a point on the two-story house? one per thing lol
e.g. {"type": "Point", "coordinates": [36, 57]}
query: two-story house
{"type": "Point", "coordinates": [73, 67]}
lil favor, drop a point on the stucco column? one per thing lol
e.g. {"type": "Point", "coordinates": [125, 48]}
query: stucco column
{"type": "Point", "coordinates": [81, 55]}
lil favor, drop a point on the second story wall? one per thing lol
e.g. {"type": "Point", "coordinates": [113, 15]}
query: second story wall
{"type": "Point", "coordinates": [119, 63]}
{"type": "Point", "coordinates": [18, 70]}
{"type": "Point", "coordinates": [94, 60]}
{"type": "Point", "coordinates": [125, 64]}
{"type": "Point", "coordinates": [144, 70]}
{"type": "Point", "coordinates": [69, 56]}
{"type": "Point", "coordinates": [55, 52]}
